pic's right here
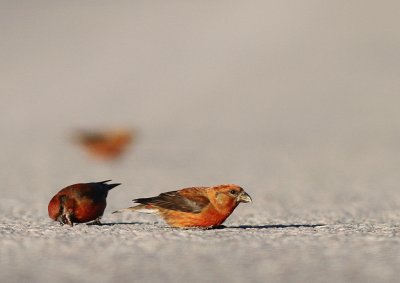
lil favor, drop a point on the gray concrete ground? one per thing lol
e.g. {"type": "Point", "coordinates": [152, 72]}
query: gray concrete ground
{"type": "Point", "coordinates": [296, 102]}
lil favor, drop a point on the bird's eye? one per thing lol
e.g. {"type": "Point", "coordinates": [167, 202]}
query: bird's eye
{"type": "Point", "coordinates": [233, 192]}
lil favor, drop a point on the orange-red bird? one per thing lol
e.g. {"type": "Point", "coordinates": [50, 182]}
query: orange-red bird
{"type": "Point", "coordinates": [194, 207]}
{"type": "Point", "coordinates": [80, 203]}
{"type": "Point", "coordinates": [105, 145]}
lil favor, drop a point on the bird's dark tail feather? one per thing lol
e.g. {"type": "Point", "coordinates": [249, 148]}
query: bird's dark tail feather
{"type": "Point", "coordinates": [109, 186]}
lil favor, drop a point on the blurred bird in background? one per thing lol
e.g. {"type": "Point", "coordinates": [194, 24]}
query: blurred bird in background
{"type": "Point", "coordinates": [104, 145]}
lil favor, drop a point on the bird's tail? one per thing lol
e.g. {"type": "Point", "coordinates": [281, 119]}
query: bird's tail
{"type": "Point", "coordinates": [137, 208]}
{"type": "Point", "coordinates": [108, 186]}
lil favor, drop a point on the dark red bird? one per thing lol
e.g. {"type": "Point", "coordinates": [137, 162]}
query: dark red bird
{"type": "Point", "coordinates": [80, 203]}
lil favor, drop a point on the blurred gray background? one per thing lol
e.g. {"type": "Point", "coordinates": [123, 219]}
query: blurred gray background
{"type": "Point", "coordinates": [297, 101]}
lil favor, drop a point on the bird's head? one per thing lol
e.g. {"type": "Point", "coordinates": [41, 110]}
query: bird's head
{"type": "Point", "coordinates": [229, 196]}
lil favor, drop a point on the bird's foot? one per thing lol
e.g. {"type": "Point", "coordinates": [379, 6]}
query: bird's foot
{"type": "Point", "coordinates": [60, 220]}
{"type": "Point", "coordinates": [96, 222]}
{"type": "Point", "coordinates": [65, 219]}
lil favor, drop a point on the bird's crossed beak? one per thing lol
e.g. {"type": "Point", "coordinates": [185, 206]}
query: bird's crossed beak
{"type": "Point", "coordinates": [244, 197]}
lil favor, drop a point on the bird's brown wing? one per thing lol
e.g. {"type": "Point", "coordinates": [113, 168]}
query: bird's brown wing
{"type": "Point", "coordinates": [186, 200]}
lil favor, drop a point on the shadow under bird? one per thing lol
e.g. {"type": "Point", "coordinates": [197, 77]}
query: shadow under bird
{"type": "Point", "coordinates": [205, 207]}
{"type": "Point", "coordinates": [80, 203]}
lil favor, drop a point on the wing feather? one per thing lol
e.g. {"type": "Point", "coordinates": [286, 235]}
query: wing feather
{"type": "Point", "coordinates": [186, 200]}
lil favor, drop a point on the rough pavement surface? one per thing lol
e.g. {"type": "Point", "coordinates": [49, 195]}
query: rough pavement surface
{"type": "Point", "coordinates": [296, 102]}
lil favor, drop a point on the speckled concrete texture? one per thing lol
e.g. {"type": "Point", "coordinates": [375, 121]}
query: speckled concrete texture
{"type": "Point", "coordinates": [296, 102]}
